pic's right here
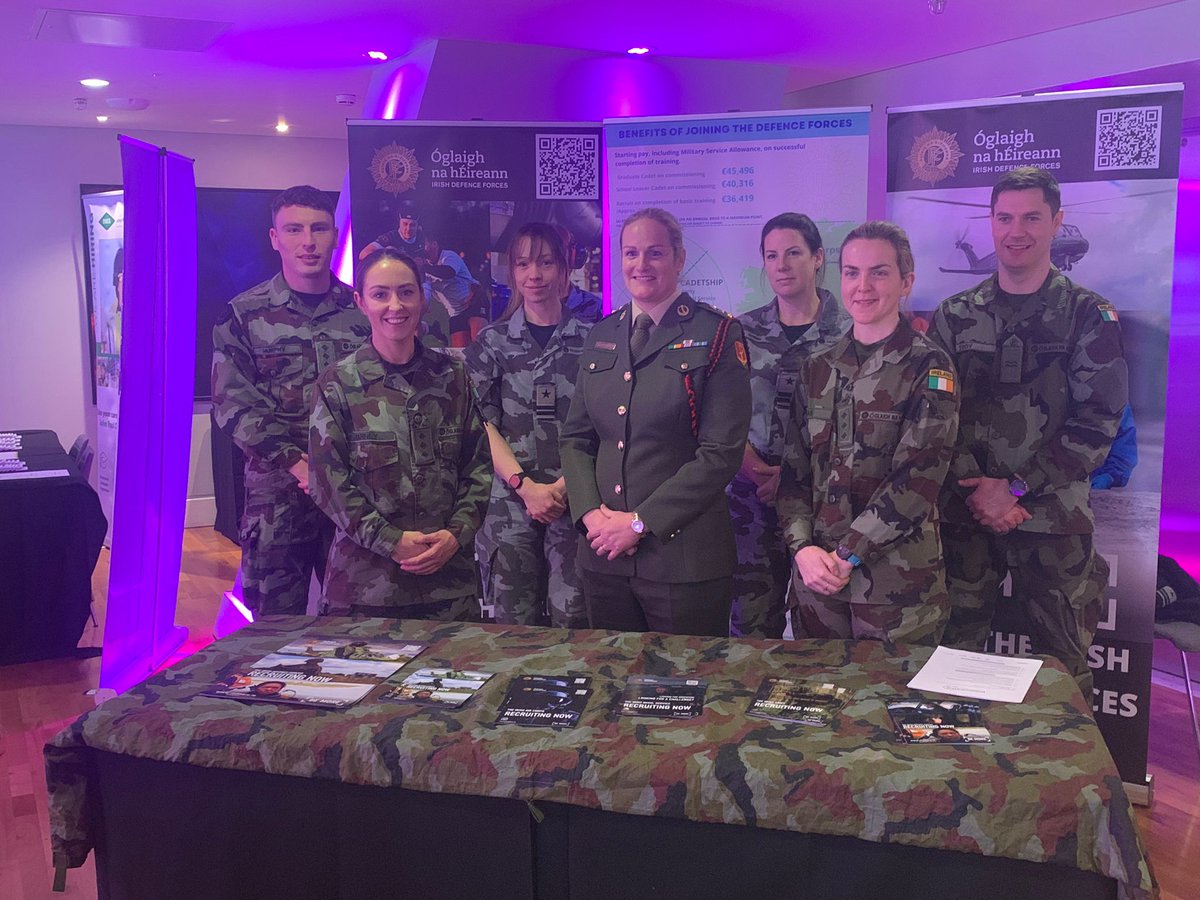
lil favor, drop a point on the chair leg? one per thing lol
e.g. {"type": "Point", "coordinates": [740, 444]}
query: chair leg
{"type": "Point", "coordinates": [1187, 681]}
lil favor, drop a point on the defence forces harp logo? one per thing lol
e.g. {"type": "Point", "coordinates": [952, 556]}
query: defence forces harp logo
{"type": "Point", "coordinates": [395, 169]}
{"type": "Point", "coordinates": [934, 156]}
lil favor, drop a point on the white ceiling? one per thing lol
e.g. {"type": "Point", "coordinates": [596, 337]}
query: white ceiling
{"type": "Point", "coordinates": [289, 58]}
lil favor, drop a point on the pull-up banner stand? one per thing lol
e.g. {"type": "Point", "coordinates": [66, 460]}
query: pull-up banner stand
{"type": "Point", "coordinates": [157, 375]}
{"type": "Point", "coordinates": [1115, 154]}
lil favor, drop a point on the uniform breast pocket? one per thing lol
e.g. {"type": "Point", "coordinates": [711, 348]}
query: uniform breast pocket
{"type": "Point", "coordinates": [374, 455]}
{"type": "Point", "coordinates": [595, 362]}
{"type": "Point", "coordinates": [449, 441]}
{"type": "Point", "coordinates": [820, 425]}
{"type": "Point", "coordinates": [878, 434]}
{"type": "Point", "coordinates": [284, 367]}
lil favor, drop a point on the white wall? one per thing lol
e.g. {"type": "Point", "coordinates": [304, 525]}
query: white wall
{"type": "Point", "coordinates": [44, 379]}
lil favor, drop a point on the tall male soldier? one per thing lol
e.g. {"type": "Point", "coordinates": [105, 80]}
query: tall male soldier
{"type": "Point", "coordinates": [1044, 382]}
{"type": "Point", "coordinates": [268, 349]}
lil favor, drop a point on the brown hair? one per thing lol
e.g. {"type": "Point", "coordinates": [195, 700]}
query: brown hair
{"type": "Point", "coordinates": [541, 235]}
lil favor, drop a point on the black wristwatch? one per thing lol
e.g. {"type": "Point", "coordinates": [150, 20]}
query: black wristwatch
{"type": "Point", "coordinates": [515, 479]}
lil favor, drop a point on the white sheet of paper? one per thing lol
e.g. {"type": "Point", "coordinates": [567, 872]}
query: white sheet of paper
{"type": "Point", "coordinates": [983, 676]}
{"type": "Point", "coordinates": [45, 473]}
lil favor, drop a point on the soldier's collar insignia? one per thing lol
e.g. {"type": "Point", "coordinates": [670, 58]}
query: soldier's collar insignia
{"type": "Point", "coordinates": [621, 317]}
{"type": "Point", "coordinates": [941, 380]}
{"type": "Point", "coordinates": [682, 309]}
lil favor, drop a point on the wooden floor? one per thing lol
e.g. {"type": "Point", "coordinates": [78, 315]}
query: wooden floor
{"type": "Point", "coordinates": [38, 699]}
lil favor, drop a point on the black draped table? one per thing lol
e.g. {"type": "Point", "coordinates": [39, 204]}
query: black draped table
{"type": "Point", "coordinates": [51, 532]}
{"type": "Point", "coordinates": [187, 796]}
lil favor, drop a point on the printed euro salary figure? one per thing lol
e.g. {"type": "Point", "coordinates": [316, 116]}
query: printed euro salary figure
{"type": "Point", "coordinates": [268, 348]}
{"type": "Point", "coordinates": [1044, 383]}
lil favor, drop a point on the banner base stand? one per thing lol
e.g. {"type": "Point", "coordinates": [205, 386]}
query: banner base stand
{"type": "Point", "coordinates": [145, 666]}
{"type": "Point", "coordinates": [1141, 794]}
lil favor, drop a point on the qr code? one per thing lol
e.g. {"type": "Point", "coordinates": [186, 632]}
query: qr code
{"type": "Point", "coordinates": [1128, 138]}
{"type": "Point", "coordinates": [568, 167]}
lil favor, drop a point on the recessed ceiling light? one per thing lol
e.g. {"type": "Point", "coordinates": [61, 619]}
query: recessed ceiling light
{"type": "Point", "coordinates": [377, 54]}
{"type": "Point", "coordinates": [638, 51]}
{"type": "Point", "coordinates": [93, 82]}
{"type": "Point", "coordinates": [282, 127]}
{"type": "Point", "coordinates": [101, 118]}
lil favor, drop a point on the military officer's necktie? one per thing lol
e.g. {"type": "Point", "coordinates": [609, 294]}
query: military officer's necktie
{"type": "Point", "coordinates": [641, 334]}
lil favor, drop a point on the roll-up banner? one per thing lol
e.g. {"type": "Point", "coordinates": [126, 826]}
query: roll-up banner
{"type": "Point", "coordinates": [724, 176]}
{"type": "Point", "coordinates": [452, 195]}
{"type": "Point", "coordinates": [104, 218]}
{"type": "Point", "coordinates": [1115, 154]}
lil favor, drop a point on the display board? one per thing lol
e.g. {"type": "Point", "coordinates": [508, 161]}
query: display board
{"type": "Point", "coordinates": [438, 190]}
{"type": "Point", "coordinates": [724, 176]}
{"type": "Point", "coordinates": [1115, 154]}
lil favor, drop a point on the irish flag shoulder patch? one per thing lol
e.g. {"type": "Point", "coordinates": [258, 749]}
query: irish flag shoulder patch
{"type": "Point", "coordinates": [1108, 312]}
{"type": "Point", "coordinates": [941, 380]}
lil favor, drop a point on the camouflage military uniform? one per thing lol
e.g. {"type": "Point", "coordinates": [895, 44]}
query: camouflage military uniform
{"type": "Point", "coordinates": [267, 352]}
{"type": "Point", "coordinates": [868, 450]}
{"type": "Point", "coordinates": [760, 582]}
{"type": "Point", "coordinates": [396, 448]}
{"type": "Point", "coordinates": [525, 392]}
{"type": "Point", "coordinates": [1049, 421]}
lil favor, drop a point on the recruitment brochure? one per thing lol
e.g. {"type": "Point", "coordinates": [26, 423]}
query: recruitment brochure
{"type": "Point", "coordinates": [937, 721]}
{"type": "Point", "coordinates": [316, 670]}
{"type": "Point", "coordinates": [436, 687]}
{"type": "Point", "coordinates": [555, 700]}
{"type": "Point", "coordinates": [795, 700]}
{"type": "Point", "coordinates": [671, 698]}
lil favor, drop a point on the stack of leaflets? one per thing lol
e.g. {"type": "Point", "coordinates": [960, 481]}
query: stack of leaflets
{"type": "Point", "coordinates": [792, 700]}
{"type": "Point", "coordinates": [319, 671]}
{"type": "Point", "coordinates": [937, 721]}
{"type": "Point", "coordinates": [555, 700]}
{"type": "Point", "coordinates": [437, 687]}
{"type": "Point", "coordinates": [672, 698]}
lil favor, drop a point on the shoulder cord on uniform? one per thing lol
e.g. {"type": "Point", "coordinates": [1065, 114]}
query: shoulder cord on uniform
{"type": "Point", "coordinates": [714, 356]}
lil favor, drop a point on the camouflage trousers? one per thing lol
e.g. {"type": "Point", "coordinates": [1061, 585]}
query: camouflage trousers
{"type": "Point", "coordinates": [528, 566]}
{"type": "Point", "coordinates": [1057, 580]}
{"type": "Point", "coordinates": [284, 538]}
{"type": "Point", "coordinates": [764, 565]}
{"type": "Point", "coordinates": [457, 609]}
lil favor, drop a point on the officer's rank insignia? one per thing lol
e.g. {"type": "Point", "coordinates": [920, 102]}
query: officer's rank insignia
{"type": "Point", "coordinates": [740, 349]}
{"type": "Point", "coordinates": [1108, 312]}
{"type": "Point", "coordinates": [682, 309]}
{"type": "Point", "coordinates": [941, 380]}
{"type": "Point", "coordinates": [683, 345]}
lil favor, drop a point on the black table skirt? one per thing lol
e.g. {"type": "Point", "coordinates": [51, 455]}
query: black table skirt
{"type": "Point", "coordinates": [179, 831]}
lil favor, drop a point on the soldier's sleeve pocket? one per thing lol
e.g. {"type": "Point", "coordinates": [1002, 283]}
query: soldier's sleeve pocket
{"type": "Point", "coordinates": [449, 438]}
{"type": "Point", "coordinates": [373, 450]}
{"type": "Point", "coordinates": [593, 360]}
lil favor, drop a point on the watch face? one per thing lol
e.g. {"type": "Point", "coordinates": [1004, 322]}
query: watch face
{"type": "Point", "coordinates": [514, 480]}
{"type": "Point", "coordinates": [638, 526]}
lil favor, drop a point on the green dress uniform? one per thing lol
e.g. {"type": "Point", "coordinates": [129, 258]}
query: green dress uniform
{"type": "Point", "coordinates": [525, 391]}
{"type": "Point", "coordinates": [268, 349]}
{"type": "Point", "coordinates": [661, 436]}
{"type": "Point", "coordinates": [396, 448]}
{"type": "Point", "coordinates": [869, 447]}
{"type": "Point", "coordinates": [764, 566]}
{"type": "Point", "coordinates": [1044, 386]}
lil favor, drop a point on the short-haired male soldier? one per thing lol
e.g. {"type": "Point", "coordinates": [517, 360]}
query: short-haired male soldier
{"type": "Point", "coordinates": [1043, 381]}
{"type": "Point", "coordinates": [268, 348]}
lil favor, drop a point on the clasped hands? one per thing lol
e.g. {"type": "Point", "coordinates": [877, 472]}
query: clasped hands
{"type": "Point", "coordinates": [993, 505]}
{"type": "Point", "coordinates": [423, 554]}
{"type": "Point", "coordinates": [610, 533]}
{"type": "Point", "coordinates": [543, 502]}
{"type": "Point", "coordinates": [822, 571]}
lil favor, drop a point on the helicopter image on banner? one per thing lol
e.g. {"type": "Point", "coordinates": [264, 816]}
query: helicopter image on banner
{"type": "Point", "coordinates": [1067, 247]}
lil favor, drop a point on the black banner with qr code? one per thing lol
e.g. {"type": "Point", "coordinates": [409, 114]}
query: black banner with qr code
{"type": "Point", "coordinates": [1115, 155]}
{"type": "Point", "coordinates": [453, 195]}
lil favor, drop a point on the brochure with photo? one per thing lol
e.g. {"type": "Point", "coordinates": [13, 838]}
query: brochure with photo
{"type": "Point", "coordinates": [436, 687]}
{"type": "Point", "coordinates": [671, 698]}
{"type": "Point", "coordinates": [919, 721]}
{"type": "Point", "coordinates": [795, 700]}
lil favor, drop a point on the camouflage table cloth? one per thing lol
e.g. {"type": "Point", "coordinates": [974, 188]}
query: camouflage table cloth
{"type": "Point", "coordinates": [1045, 790]}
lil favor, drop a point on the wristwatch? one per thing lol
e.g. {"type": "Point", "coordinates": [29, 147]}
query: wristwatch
{"type": "Point", "coordinates": [515, 479]}
{"type": "Point", "coordinates": [1018, 487]}
{"type": "Point", "coordinates": [844, 552]}
{"type": "Point", "coordinates": [637, 524]}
